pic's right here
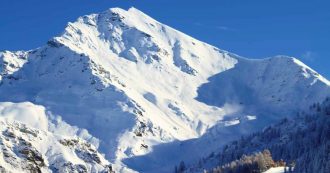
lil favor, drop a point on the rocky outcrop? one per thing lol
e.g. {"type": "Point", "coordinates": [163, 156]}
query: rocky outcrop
{"type": "Point", "coordinates": [26, 149]}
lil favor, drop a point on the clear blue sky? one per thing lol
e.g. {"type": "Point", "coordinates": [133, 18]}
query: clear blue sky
{"type": "Point", "coordinates": [251, 28]}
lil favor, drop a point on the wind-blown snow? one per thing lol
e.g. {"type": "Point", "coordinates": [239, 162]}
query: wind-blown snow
{"type": "Point", "coordinates": [26, 113]}
{"type": "Point", "coordinates": [140, 87]}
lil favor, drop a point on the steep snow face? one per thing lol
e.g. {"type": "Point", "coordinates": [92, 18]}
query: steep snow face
{"type": "Point", "coordinates": [135, 83]}
{"type": "Point", "coordinates": [271, 83]}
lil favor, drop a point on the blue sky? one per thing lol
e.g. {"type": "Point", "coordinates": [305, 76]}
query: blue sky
{"type": "Point", "coordinates": [254, 28]}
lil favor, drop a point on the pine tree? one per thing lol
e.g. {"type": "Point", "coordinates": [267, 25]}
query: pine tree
{"type": "Point", "coordinates": [182, 167]}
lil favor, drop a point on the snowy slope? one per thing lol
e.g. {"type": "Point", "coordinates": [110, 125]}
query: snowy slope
{"type": "Point", "coordinates": [276, 170]}
{"type": "Point", "coordinates": [135, 83]}
{"type": "Point", "coordinates": [26, 144]}
{"type": "Point", "coordinates": [11, 62]}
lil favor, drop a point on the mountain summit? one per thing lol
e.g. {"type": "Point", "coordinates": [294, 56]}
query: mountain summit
{"type": "Point", "coordinates": [147, 93]}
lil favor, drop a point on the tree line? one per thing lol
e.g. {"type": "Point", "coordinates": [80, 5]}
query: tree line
{"type": "Point", "coordinates": [302, 142]}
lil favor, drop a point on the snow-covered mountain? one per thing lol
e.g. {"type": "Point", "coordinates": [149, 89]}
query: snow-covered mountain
{"type": "Point", "coordinates": [149, 94]}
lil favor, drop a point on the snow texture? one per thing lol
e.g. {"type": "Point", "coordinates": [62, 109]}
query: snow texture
{"type": "Point", "coordinates": [275, 170]}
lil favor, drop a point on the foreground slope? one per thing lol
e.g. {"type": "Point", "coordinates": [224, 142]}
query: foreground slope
{"type": "Point", "coordinates": [31, 143]}
{"type": "Point", "coordinates": [135, 83]}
